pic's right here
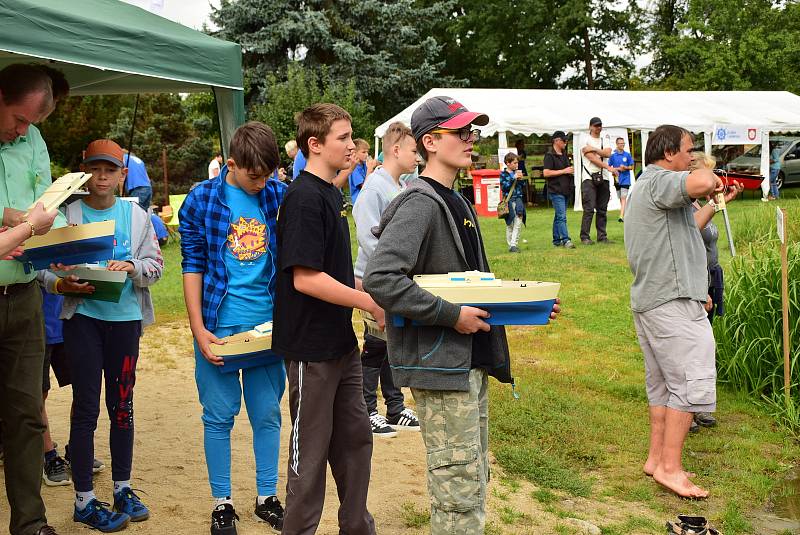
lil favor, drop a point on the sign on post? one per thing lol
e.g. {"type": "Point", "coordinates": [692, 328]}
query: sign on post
{"type": "Point", "coordinates": [736, 134]}
{"type": "Point", "coordinates": [782, 223]}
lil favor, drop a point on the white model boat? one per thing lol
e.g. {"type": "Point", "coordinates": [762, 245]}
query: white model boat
{"type": "Point", "coordinates": [60, 190]}
{"type": "Point", "coordinates": [372, 325]}
{"type": "Point", "coordinates": [253, 341]}
{"type": "Point", "coordinates": [512, 302]}
{"type": "Point", "coordinates": [71, 245]}
{"type": "Point", "coordinates": [107, 284]}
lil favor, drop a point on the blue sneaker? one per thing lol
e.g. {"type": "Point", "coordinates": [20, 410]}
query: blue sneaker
{"type": "Point", "coordinates": [127, 502]}
{"type": "Point", "coordinates": [97, 516]}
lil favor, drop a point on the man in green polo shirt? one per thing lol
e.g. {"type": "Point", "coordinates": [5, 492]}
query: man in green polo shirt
{"type": "Point", "coordinates": [25, 98]}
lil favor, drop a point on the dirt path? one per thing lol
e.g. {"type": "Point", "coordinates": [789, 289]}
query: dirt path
{"type": "Point", "coordinates": [169, 465]}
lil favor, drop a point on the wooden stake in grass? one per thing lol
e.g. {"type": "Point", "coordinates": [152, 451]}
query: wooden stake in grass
{"type": "Point", "coordinates": [787, 367]}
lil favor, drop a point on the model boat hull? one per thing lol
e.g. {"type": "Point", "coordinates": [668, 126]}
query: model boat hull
{"type": "Point", "coordinates": [81, 244]}
{"type": "Point", "coordinates": [245, 350]}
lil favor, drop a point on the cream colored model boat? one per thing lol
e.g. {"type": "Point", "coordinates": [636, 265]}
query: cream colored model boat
{"type": "Point", "coordinates": [253, 341]}
{"type": "Point", "coordinates": [72, 245]}
{"type": "Point", "coordinates": [372, 325]}
{"type": "Point", "coordinates": [60, 190]}
{"type": "Point", "coordinates": [509, 302]}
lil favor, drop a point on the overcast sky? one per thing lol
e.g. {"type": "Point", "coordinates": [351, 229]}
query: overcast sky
{"type": "Point", "coordinates": [192, 13]}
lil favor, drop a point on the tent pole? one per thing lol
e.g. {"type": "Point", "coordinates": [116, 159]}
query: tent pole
{"type": "Point", "coordinates": [645, 134]}
{"type": "Point", "coordinates": [765, 162]}
{"type": "Point", "coordinates": [166, 180]}
{"type": "Point", "coordinates": [133, 123]}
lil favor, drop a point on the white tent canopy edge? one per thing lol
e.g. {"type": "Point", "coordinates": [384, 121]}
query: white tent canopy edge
{"type": "Point", "coordinates": [543, 111]}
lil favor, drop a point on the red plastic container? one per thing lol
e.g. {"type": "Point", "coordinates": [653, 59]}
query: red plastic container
{"type": "Point", "coordinates": [486, 186]}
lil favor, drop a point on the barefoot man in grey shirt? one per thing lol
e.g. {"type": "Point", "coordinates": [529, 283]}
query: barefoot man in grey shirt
{"type": "Point", "coordinates": [667, 258]}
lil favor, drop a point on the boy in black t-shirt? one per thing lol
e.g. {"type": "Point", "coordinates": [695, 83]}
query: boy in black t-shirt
{"type": "Point", "coordinates": [313, 331]}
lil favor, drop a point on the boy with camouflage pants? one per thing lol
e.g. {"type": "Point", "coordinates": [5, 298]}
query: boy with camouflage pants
{"type": "Point", "coordinates": [443, 351]}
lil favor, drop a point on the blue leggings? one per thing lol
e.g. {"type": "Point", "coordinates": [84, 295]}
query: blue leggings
{"type": "Point", "coordinates": [221, 398]}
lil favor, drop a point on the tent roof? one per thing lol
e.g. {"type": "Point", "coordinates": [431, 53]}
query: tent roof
{"type": "Point", "coordinates": [107, 46]}
{"type": "Point", "coordinates": [542, 111]}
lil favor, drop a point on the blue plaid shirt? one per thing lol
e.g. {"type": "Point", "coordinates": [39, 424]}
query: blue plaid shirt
{"type": "Point", "coordinates": [506, 180]}
{"type": "Point", "coordinates": [204, 224]}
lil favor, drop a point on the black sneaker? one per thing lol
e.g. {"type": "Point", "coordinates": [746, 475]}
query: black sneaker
{"type": "Point", "coordinates": [55, 473]}
{"type": "Point", "coordinates": [223, 520]}
{"type": "Point", "coordinates": [513, 249]}
{"type": "Point", "coordinates": [271, 512]}
{"type": "Point", "coordinates": [405, 421]}
{"type": "Point", "coordinates": [693, 427]}
{"type": "Point", "coordinates": [606, 241]}
{"type": "Point", "coordinates": [380, 428]}
{"type": "Point", "coordinates": [587, 242]}
{"type": "Point", "coordinates": [705, 419]}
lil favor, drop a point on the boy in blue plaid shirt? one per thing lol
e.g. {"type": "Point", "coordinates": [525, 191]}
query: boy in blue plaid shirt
{"type": "Point", "coordinates": [227, 227]}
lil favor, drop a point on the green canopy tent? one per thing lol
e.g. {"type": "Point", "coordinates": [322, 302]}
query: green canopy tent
{"type": "Point", "coordinates": [110, 47]}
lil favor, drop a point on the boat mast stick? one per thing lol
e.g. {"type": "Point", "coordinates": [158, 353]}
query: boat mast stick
{"type": "Point", "coordinates": [728, 230]}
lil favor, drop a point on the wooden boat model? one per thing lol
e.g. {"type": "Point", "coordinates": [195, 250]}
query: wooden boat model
{"type": "Point", "coordinates": [72, 245]}
{"type": "Point", "coordinates": [512, 302]}
{"type": "Point", "coordinates": [246, 349]}
{"type": "Point", "coordinates": [107, 284]}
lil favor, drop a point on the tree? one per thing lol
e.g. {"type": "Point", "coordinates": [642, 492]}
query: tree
{"type": "Point", "coordinates": [387, 48]}
{"type": "Point", "coordinates": [76, 122]}
{"type": "Point", "coordinates": [529, 44]}
{"type": "Point", "coordinates": [163, 122]}
{"type": "Point", "coordinates": [301, 88]}
{"type": "Point", "coordinates": [725, 45]}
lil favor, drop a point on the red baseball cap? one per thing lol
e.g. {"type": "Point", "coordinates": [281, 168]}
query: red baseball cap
{"type": "Point", "coordinates": [443, 112]}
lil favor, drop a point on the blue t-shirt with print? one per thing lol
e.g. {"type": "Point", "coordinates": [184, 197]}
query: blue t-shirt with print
{"type": "Point", "coordinates": [357, 178]}
{"type": "Point", "coordinates": [622, 158]}
{"type": "Point", "coordinates": [127, 309]}
{"type": "Point", "coordinates": [248, 262]}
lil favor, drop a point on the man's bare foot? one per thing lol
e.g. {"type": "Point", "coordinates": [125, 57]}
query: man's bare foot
{"type": "Point", "coordinates": [650, 466]}
{"type": "Point", "coordinates": [649, 472]}
{"type": "Point", "coordinates": [679, 484]}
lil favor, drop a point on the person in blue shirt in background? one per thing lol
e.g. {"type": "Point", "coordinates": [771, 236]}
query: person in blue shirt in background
{"type": "Point", "coordinates": [137, 182]}
{"type": "Point", "coordinates": [623, 162]}
{"type": "Point", "coordinates": [774, 171]}
{"type": "Point", "coordinates": [364, 166]}
{"type": "Point", "coordinates": [516, 203]}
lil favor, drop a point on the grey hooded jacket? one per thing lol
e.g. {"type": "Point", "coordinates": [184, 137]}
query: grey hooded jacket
{"type": "Point", "coordinates": [417, 235]}
{"type": "Point", "coordinates": [148, 264]}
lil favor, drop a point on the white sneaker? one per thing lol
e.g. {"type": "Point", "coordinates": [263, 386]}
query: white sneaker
{"type": "Point", "coordinates": [380, 428]}
{"type": "Point", "coordinates": [405, 421]}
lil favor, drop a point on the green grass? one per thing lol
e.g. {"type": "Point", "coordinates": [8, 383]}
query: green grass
{"type": "Point", "coordinates": [414, 517]}
{"type": "Point", "coordinates": [580, 426]}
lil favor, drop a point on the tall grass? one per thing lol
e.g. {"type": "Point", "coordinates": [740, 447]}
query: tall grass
{"type": "Point", "coordinates": [750, 334]}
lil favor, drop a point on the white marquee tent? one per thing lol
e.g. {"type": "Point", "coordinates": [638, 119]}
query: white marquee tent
{"type": "Point", "coordinates": [543, 111]}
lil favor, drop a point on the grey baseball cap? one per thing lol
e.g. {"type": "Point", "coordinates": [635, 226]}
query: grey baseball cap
{"type": "Point", "coordinates": [595, 121]}
{"type": "Point", "coordinates": [443, 112]}
{"type": "Point", "coordinates": [559, 134]}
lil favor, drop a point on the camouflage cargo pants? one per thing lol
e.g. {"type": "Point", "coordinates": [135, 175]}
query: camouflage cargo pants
{"type": "Point", "coordinates": [455, 430]}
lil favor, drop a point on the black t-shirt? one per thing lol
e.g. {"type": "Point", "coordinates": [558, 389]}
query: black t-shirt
{"type": "Point", "coordinates": [562, 184]}
{"type": "Point", "coordinates": [312, 232]}
{"type": "Point", "coordinates": [471, 242]}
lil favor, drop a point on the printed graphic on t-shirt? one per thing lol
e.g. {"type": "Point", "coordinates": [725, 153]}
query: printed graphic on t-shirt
{"type": "Point", "coordinates": [247, 239]}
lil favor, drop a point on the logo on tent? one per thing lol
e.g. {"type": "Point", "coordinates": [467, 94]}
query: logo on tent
{"type": "Point", "coordinates": [751, 134]}
{"type": "Point", "coordinates": [721, 134]}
